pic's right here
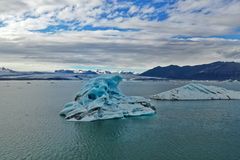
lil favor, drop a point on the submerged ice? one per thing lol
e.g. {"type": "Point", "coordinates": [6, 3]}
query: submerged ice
{"type": "Point", "coordinates": [101, 99]}
{"type": "Point", "coordinates": [195, 91]}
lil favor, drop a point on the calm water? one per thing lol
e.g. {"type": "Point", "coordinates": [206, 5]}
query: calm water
{"type": "Point", "coordinates": [30, 127]}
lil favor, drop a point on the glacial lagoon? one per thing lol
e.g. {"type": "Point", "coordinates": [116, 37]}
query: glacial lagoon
{"type": "Point", "coordinates": [30, 127]}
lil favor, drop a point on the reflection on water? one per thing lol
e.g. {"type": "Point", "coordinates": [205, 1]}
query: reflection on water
{"type": "Point", "coordinates": [30, 127]}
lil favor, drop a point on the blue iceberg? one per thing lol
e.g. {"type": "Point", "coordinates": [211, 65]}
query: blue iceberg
{"type": "Point", "coordinates": [101, 99]}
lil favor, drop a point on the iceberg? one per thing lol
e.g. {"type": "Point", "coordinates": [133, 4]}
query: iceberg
{"type": "Point", "coordinates": [101, 99]}
{"type": "Point", "coordinates": [195, 91]}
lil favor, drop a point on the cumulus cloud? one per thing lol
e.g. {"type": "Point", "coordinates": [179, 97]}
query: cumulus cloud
{"type": "Point", "coordinates": [128, 35]}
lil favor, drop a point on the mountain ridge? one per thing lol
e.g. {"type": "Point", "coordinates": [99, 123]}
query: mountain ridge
{"type": "Point", "coordinates": [212, 71]}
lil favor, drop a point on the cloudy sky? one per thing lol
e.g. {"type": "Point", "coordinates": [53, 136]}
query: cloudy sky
{"type": "Point", "coordinates": [117, 35]}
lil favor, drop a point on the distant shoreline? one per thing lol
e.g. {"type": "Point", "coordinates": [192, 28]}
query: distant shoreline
{"type": "Point", "coordinates": [134, 79]}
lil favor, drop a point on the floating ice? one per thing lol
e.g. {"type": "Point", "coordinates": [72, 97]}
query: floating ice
{"type": "Point", "coordinates": [194, 91]}
{"type": "Point", "coordinates": [101, 99]}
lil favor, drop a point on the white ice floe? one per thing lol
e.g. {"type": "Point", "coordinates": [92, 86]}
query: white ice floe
{"type": "Point", "coordinates": [195, 91]}
{"type": "Point", "coordinates": [101, 99]}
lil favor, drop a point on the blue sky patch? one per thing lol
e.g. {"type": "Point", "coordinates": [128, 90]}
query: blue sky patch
{"type": "Point", "coordinates": [65, 27]}
{"type": "Point", "coordinates": [159, 13]}
{"type": "Point", "coordinates": [182, 37]}
{"type": "Point", "coordinates": [227, 36]}
{"type": "Point", "coordinates": [2, 24]}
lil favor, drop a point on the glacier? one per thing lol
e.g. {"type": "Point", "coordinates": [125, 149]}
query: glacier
{"type": "Point", "coordinates": [196, 91]}
{"type": "Point", "coordinates": [101, 99]}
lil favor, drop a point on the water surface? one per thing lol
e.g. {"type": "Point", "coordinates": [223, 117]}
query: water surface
{"type": "Point", "coordinates": [30, 127]}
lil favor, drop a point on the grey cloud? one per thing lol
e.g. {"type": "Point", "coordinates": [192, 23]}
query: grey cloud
{"type": "Point", "coordinates": [124, 55]}
{"type": "Point", "coordinates": [12, 6]}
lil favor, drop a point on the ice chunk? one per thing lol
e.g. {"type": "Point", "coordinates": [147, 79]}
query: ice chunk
{"type": "Point", "coordinates": [195, 91]}
{"type": "Point", "coordinates": [101, 99]}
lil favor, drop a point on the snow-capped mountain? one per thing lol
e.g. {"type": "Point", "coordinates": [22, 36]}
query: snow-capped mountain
{"type": "Point", "coordinates": [6, 70]}
{"type": "Point", "coordinates": [8, 74]}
